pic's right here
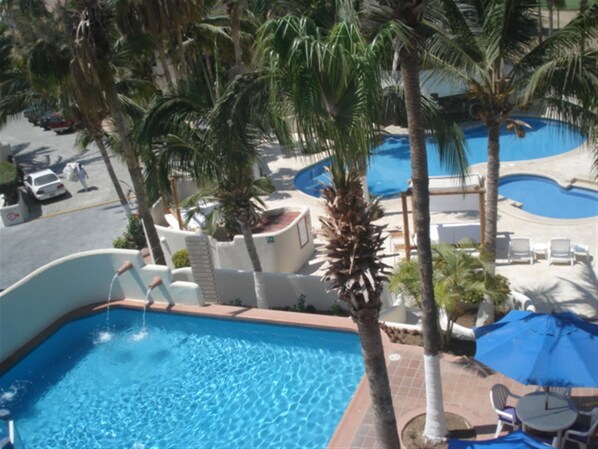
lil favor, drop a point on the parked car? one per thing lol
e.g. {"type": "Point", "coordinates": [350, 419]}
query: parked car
{"type": "Point", "coordinates": [56, 122]}
{"type": "Point", "coordinates": [44, 184]}
{"type": "Point", "coordinates": [59, 124]}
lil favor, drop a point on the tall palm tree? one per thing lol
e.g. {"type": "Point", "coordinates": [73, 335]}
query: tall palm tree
{"type": "Point", "coordinates": [217, 146]}
{"type": "Point", "coordinates": [330, 85]}
{"type": "Point", "coordinates": [491, 46]}
{"type": "Point", "coordinates": [88, 23]}
{"type": "Point", "coordinates": [403, 27]}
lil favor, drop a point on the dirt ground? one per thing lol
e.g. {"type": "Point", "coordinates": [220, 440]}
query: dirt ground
{"type": "Point", "coordinates": [458, 427]}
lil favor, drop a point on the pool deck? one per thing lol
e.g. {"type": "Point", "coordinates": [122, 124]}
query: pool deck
{"type": "Point", "coordinates": [557, 287]}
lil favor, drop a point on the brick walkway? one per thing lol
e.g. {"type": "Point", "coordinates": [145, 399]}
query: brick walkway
{"type": "Point", "coordinates": [465, 390]}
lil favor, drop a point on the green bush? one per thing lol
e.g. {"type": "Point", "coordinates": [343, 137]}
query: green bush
{"type": "Point", "coordinates": [9, 182]}
{"type": "Point", "coordinates": [135, 231]}
{"type": "Point", "coordinates": [180, 259]}
{"type": "Point", "coordinates": [134, 237]}
{"type": "Point", "coordinates": [122, 243]}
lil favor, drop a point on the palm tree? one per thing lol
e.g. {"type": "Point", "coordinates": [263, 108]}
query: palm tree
{"type": "Point", "coordinates": [491, 46]}
{"type": "Point", "coordinates": [403, 27]}
{"type": "Point", "coordinates": [460, 280]}
{"type": "Point", "coordinates": [88, 25]}
{"type": "Point", "coordinates": [217, 146]}
{"type": "Point", "coordinates": [330, 85]}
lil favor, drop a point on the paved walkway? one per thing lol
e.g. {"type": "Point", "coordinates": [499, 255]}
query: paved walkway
{"type": "Point", "coordinates": [466, 392]}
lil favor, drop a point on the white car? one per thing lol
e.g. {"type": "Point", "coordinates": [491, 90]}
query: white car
{"type": "Point", "coordinates": [44, 184]}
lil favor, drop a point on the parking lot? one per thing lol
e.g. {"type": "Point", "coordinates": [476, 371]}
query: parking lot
{"type": "Point", "coordinates": [78, 221]}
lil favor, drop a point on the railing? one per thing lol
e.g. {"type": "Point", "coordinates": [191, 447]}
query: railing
{"type": "Point", "coordinates": [9, 436]}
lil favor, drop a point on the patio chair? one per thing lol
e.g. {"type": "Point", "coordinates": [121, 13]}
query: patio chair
{"type": "Point", "coordinates": [559, 250]}
{"type": "Point", "coordinates": [520, 249]}
{"type": "Point", "coordinates": [499, 395]}
{"type": "Point", "coordinates": [561, 391]}
{"type": "Point", "coordinates": [583, 429]}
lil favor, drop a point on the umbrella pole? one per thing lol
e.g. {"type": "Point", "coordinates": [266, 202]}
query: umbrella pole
{"type": "Point", "coordinates": [546, 389]}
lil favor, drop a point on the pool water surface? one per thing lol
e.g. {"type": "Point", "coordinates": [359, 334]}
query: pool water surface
{"type": "Point", "coordinates": [389, 169]}
{"type": "Point", "coordinates": [187, 382]}
{"type": "Point", "coordinates": [542, 196]}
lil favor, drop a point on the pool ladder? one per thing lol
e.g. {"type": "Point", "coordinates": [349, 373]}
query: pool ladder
{"type": "Point", "coordinates": [12, 439]}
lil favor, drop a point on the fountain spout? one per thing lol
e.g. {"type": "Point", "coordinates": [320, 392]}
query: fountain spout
{"type": "Point", "coordinates": [154, 283]}
{"type": "Point", "coordinates": [127, 265]}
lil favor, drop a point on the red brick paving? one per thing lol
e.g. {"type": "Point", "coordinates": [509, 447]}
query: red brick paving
{"type": "Point", "coordinates": [465, 392]}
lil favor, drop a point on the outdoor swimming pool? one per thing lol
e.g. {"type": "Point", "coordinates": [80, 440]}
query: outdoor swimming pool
{"type": "Point", "coordinates": [390, 166]}
{"type": "Point", "coordinates": [542, 196]}
{"type": "Point", "coordinates": [189, 382]}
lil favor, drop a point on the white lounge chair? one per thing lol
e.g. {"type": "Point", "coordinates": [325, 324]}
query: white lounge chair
{"type": "Point", "coordinates": [559, 250]}
{"type": "Point", "coordinates": [520, 248]}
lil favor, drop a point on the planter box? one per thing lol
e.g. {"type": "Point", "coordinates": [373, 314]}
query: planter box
{"type": "Point", "coordinates": [14, 214]}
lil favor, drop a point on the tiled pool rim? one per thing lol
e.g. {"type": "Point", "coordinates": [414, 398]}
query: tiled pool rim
{"type": "Point", "coordinates": [358, 405]}
{"type": "Point", "coordinates": [356, 429]}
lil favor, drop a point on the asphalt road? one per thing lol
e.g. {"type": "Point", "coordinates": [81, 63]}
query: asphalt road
{"type": "Point", "coordinates": [78, 221]}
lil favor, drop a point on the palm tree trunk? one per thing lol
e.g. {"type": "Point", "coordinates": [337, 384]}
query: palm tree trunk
{"type": "Point", "coordinates": [377, 375]}
{"type": "Point", "coordinates": [136, 175]}
{"type": "Point", "coordinates": [583, 5]}
{"type": "Point", "coordinates": [258, 276]}
{"type": "Point", "coordinates": [181, 49]}
{"type": "Point", "coordinates": [110, 169]}
{"type": "Point", "coordinates": [235, 33]}
{"type": "Point", "coordinates": [435, 429]}
{"type": "Point", "coordinates": [162, 58]}
{"type": "Point", "coordinates": [550, 16]}
{"type": "Point", "coordinates": [493, 173]}
{"type": "Point", "coordinates": [486, 308]}
{"type": "Point", "coordinates": [540, 24]}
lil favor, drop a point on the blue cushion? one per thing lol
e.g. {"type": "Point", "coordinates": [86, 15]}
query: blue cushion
{"type": "Point", "coordinates": [510, 411]}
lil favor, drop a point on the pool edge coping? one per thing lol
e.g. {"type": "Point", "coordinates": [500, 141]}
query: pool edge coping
{"type": "Point", "coordinates": [353, 414]}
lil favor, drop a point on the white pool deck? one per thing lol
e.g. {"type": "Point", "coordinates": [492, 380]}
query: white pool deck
{"type": "Point", "coordinates": [557, 287]}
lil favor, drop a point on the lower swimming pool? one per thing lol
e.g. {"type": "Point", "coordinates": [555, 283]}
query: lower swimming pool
{"type": "Point", "coordinates": [188, 382]}
{"type": "Point", "coordinates": [542, 196]}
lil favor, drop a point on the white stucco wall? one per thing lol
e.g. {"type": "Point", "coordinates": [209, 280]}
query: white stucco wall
{"type": "Point", "coordinates": [282, 289]}
{"type": "Point", "coordinates": [171, 240]}
{"type": "Point", "coordinates": [284, 251]}
{"type": "Point", "coordinates": [38, 300]}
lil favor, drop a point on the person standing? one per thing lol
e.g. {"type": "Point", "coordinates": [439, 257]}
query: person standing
{"type": "Point", "coordinates": [82, 175]}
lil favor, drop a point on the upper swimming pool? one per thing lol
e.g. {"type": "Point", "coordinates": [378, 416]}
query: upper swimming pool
{"type": "Point", "coordinates": [188, 382]}
{"type": "Point", "coordinates": [390, 166]}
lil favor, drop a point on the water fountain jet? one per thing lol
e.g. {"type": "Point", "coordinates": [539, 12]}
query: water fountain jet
{"type": "Point", "coordinates": [107, 336]}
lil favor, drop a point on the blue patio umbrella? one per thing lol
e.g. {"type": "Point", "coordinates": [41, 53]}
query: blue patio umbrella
{"type": "Point", "coordinates": [550, 350]}
{"type": "Point", "coordinates": [514, 440]}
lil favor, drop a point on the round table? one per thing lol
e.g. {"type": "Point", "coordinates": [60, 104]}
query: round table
{"type": "Point", "coordinates": [560, 414]}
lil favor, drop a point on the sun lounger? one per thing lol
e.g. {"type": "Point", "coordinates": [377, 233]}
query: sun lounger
{"type": "Point", "coordinates": [559, 250]}
{"type": "Point", "coordinates": [520, 249]}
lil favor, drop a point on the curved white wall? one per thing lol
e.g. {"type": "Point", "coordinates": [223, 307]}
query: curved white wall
{"type": "Point", "coordinates": [38, 300]}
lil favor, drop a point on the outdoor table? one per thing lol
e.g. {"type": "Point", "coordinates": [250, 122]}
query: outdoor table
{"type": "Point", "coordinates": [560, 414]}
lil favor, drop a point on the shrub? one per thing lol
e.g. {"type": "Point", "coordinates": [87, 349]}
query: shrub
{"type": "Point", "coordinates": [135, 231]}
{"type": "Point", "coordinates": [122, 243]}
{"type": "Point", "coordinates": [180, 259]}
{"type": "Point", "coordinates": [133, 237]}
{"type": "Point", "coordinates": [9, 182]}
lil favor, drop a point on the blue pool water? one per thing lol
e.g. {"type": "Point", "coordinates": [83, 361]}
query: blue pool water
{"type": "Point", "coordinates": [542, 196]}
{"type": "Point", "coordinates": [188, 383]}
{"type": "Point", "coordinates": [390, 166]}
